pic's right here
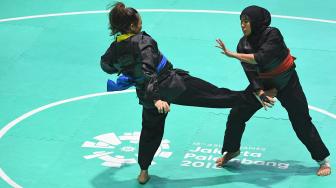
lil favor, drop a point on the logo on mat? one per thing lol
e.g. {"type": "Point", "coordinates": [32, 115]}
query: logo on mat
{"type": "Point", "coordinates": [115, 151]}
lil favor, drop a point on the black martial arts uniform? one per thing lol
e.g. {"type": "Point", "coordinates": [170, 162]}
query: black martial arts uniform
{"type": "Point", "coordinates": [138, 57]}
{"type": "Point", "coordinates": [270, 52]}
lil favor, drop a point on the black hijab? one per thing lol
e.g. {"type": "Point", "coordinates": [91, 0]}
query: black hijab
{"type": "Point", "coordinates": [259, 18]}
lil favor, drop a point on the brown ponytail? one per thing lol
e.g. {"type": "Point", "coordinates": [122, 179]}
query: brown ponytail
{"type": "Point", "coordinates": [121, 18]}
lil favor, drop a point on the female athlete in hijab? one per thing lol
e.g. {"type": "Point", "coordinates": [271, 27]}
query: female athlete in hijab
{"type": "Point", "coordinates": [268, 64]}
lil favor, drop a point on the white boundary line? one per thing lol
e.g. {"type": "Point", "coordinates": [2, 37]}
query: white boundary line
{"type": "Point", "coordinates": [322, 111]}
{"type": "Point", "coordinates": [163, 10]}
{"type": "Point", "coordinates": [10, 125]}
{"type": "Point", "coordinates": [28, 114]}
{"type": "Point", "coordinates": [52, 15]}
{"type": "Point", "coordinates": [7, 179]}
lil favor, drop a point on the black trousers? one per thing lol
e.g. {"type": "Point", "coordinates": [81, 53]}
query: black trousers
{"type": "Point", "coordinates": [293, 99]}
{"type": "Point", "coordinates": [198, 93]}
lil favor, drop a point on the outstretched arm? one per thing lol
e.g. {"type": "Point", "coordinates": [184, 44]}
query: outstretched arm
{"type": "Point", "coordinates": [247, 58]}
{"type": "Point", "coordinates": [266, 98]}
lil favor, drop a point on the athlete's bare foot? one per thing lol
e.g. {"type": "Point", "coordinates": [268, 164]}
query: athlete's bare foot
{"type": "Point", "coordinates": [226, 158]}
{"type": "Point", "coordinates": [324, 170]}
{"type": "Point", "coordinates": [143, 177]}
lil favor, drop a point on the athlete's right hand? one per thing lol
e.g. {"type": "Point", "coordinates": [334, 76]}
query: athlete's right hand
{"type": "Point", "coordinates": [222, 46]}
{"type": "Point", "coordinates": [271, 92]}
{"type": "Point", "coordinates": [162, 106]}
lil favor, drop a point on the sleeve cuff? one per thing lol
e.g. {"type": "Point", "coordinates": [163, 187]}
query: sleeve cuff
{"type": "Point", "coordinates": [257, 57]}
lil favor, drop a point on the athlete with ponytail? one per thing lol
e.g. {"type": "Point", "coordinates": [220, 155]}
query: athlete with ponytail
{"type": "Point", "coordinates": [136, 56]}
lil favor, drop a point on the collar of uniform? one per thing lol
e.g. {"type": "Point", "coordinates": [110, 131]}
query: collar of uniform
{"type": "Point", "coordinates": [124, 37]}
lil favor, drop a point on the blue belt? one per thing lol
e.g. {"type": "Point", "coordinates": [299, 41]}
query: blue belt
{"type": "Point", "coordinates": [124, 82]}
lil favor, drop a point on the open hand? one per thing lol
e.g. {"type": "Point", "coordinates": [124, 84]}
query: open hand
{"type": "Point", "coordinates": [221, 46]}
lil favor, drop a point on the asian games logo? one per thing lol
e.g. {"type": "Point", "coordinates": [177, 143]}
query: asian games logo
{"type": "Point", "coordinates": [116, 151]}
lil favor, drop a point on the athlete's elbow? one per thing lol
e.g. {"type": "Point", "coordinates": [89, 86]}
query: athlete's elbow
{"type": "Point", "coordinates": [106, 67]}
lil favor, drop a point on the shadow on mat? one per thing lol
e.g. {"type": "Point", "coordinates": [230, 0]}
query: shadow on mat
{"type": "Point", "coordinates": [262, 176]}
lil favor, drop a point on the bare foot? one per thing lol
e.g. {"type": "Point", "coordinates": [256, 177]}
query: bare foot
{"type": "Point", "coordinates": [324, 170]}
{"type": "Point", "coordinates": [226, 158]}
{"type": "Point", "coordinates": [143, 177]}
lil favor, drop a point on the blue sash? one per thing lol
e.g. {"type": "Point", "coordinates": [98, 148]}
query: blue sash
{"type": "Point", "coordinates": [124, 82]}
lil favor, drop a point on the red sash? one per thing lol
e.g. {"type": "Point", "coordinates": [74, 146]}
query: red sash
{"type": "Point", "coordinates": [287, 63]}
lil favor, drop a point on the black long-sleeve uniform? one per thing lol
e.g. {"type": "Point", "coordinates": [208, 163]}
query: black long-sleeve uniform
{"type": "Point", "coordinates": [138, 57]}
{"type": "Point", "coordinates": [269, 52]}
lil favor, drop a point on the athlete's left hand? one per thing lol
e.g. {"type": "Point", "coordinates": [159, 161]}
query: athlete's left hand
{"type": "Point", "coordinates": [265, 100]}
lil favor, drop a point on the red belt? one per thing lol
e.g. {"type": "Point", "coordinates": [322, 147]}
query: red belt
{"type": "Point", "coordinates": [287, 63]}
